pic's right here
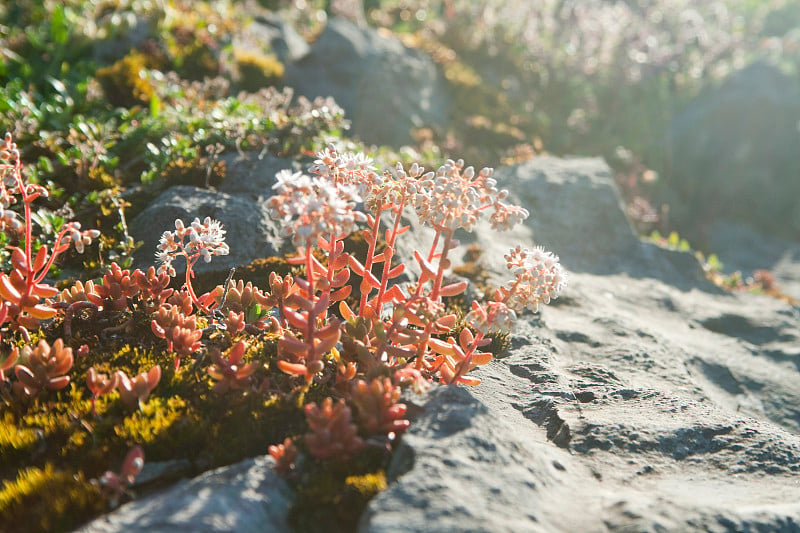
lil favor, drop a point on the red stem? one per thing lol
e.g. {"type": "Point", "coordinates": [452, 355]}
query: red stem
{"type": "Point", "coordinates": [43, 272]}
{"type": "Point", "coordinates": [387, 261]}
{"type": "Point", "coordinates": [311, 325]}
{"type": "Point", "coordinates": [437, 284]}
{"type": "Point", "coordinates": [370, 254]}
{"type": "Point", "coordinates": [463, 366]}
{"type": "Point", "coordinates": [190, 262]}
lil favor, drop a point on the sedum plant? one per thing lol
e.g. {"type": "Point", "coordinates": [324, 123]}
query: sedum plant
{"type": "Point", "coordinates": [394, 334]}
{"type": "Point", "coordinates": [23, 289]}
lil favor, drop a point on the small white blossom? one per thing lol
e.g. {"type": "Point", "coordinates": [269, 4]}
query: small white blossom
{"type": "Point", "coordinates": [201, 239]}
{"type": "Point", "coordinates": [491, 317]}
{"type": "Point", "coordinates": [538, 278]}
{"type": "Point", "coordinates": [311, 207]}
{"type": "Point", "coordinates": [454, 197]}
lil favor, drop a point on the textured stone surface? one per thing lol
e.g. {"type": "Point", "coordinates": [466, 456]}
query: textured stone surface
{"type": "Point", "coordinates": [643, 399]}
{"type": "Point", "coordinates": [245, 497]}
{"type": "Point", "coordinates": [385, 88]}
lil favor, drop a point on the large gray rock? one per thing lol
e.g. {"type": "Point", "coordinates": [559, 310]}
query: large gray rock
{"type": "Point", "coordinates": [385, 88]}
{"type": "Point", "coordinates": [641, 400]}
{"type": "Point", "coordinates": [245, 497]}
{"type": "Point", "coordinates": [734, 155]}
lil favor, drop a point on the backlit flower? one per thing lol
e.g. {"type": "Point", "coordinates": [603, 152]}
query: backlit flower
{"type": "Point", "coordinates": [200, 239]}
{"type": "Point", "coordinates": [539, 278]}
{"type": "Point", "coordinates": [311, 207]}
{"type": "Point", "coordinates": [455, 197]}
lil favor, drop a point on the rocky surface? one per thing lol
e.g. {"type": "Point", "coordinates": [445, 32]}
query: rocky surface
{"type": "Point", "coordinates": [245, 497]}
{"type": "Point", "coordinates": [643, 399]}
{"type": "Point", "coordinates": [386, 88]}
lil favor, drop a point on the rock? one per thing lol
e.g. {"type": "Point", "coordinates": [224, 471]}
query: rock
{"type": "Point", "coordinates": [385, 88]}
{"type": "Point", "coordinates": [244, 497]}
{"type": "Point", "coordinates": [667, 405]}
{"type": "Point", "coordinates": [279, 36]}
{"type": "Point", "coordinates": [734, 155]}
{"type": "Point", "coordinates": [239, 205]}
{"type": "Point", "coordinates": [458, 469]}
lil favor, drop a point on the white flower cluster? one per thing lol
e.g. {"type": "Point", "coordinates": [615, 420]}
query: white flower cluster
{"type": "Point", "coordinates": [491, 316]}
{"type": "Point", "coordinates": [400, 187]}
{"type": "Point", "coordinates": [80, 239]}
{"type": "Point", "coordinates": [201, 239]}
{"type": "Point", "coordinates": [538, 278]}
{"type": "Point", "coordinates": [347, 169]}
{"type": "Point", "coordinates": [455, 197]}
{"type": "Point", "coordinates": [311, 207]}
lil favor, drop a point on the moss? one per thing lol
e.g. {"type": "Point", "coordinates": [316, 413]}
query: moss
{"type": "Point", "coordinates": [125, 82]}
{"type": "Point", "coordinates": [193, 53]}
{"type": "Point", "coordinates": [199, 171]}
{"type": "Point", "coordinates": [153, 426]}
{"type": "Point", "coordinates": [47, 500]}
{"type": "Point", "coordinates": [473, 269]}
{"type": "Point", "coordinates": [258, 270]}
{"type": "Point", "coordinates": [16, 444]}
{"type": "Point", "coordinates": [257, 70]}
{"type": "Point", "coordinates": [333, 497]}
{"type": "Point", "coordinates": [368, 485]}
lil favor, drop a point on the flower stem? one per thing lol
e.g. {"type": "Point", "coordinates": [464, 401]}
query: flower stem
{"type": "Point", "coordinates": [190, 262]}
{"type": "Point", "coordinates": [370, 256]}
{"type": "Point", "coordinates": [387, 261]}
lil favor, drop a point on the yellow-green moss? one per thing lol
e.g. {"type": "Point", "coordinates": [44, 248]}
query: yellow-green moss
{"type": "Point", "coordinates": [199, 171]}
{"type": "Point", "coordinates": [126, 82]}
{"type": "Point", "coordinates": [368, 485]}
{"type": "Point", "coordinates": [152, 421]}
{"type": "Point", "coordinates": [257, 70]}
{"type": "Point", "coordinates": [47, 500]}
{"type": "Point", "coordinates": [192, 52]}
{"type": "Point", "coordinates": [257, 271]}
{"type": "Point", "coordinates": [15, 443]}
{"type": "Point", "coordinates": [333, 496]}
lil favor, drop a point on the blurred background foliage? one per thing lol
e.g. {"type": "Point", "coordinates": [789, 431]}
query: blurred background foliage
{"type": "Point", "coordinates": [114, 99]}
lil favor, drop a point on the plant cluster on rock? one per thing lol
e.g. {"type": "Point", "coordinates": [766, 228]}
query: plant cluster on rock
{"type": "Point", "coordinates": [129, 365]}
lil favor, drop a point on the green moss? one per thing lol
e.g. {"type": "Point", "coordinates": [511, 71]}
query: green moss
{"type": "Point", "coordinates": [193, 54]}
{"type": "Point", "coordinates": [153, 423]}
{"type": "Point", "coordinates": [47, 500]}
{"type": "Point", "coordinates": [198, 171]}
{"type": "Point", "coordinates": [257, 272]}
